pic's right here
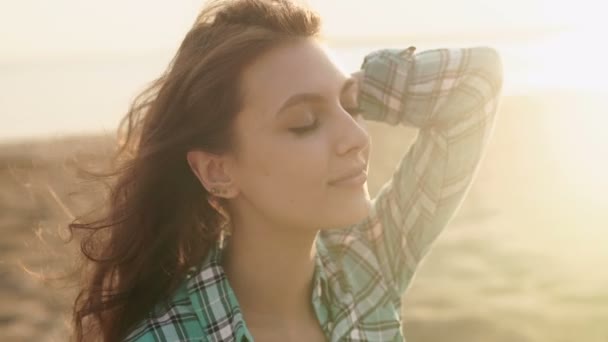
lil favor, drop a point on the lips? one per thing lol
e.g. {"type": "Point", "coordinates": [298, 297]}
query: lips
{"type": "Point", "coordinates": [350, 175]}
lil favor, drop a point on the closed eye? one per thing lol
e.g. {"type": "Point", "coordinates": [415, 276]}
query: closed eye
{"type": "Point", "coordinates": [353, 111]}
{"type": "Point", "coordinates": [305, 129]}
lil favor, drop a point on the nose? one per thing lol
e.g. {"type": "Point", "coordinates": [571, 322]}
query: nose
{"type": "Point", "coordinates": [352, 135]}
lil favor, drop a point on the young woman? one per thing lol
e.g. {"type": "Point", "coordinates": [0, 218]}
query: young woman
{"type": "Point", "coordinates": [241, 212]}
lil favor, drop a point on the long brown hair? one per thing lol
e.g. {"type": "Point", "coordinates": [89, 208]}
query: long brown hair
{"type": "Point", "coordinates": [157, 221]}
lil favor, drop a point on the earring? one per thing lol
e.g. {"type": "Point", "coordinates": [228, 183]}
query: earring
{"type": "Point", "coordinates": [225, 227]}
{"type": "Point", "coordinates": [215, 203]}
{"type": "Point", "coordinates": [219, 191]}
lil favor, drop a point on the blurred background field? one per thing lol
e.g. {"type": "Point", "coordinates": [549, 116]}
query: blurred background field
{"type": "Point", "coordinates": [524, 259]}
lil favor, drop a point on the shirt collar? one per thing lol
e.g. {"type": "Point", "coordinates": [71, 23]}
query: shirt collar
{"type": "Point", "coordinates": [214, 301]}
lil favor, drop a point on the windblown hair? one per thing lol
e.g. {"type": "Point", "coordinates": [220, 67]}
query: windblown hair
{"type": "Point", "coordinates": [157, 221]}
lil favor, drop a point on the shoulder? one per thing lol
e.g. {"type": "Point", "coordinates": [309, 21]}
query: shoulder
{"type": "Point", "coordinates": [175, 321]}
{"type": "Point", "coordinates": [348, 258]}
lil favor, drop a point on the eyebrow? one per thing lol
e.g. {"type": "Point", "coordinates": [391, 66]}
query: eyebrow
{"type": "Point", "coordinates": [313, 97]}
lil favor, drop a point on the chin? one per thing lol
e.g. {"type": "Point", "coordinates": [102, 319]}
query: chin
{"type": "Point", "coordinates": [350, 213]}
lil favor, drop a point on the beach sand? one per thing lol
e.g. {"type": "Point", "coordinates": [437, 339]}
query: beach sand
{"type": "Point", "coordinates": [524, 259]}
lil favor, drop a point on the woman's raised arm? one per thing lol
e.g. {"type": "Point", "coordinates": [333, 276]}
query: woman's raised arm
{"type": "Point", "coordinates": [451, 95]}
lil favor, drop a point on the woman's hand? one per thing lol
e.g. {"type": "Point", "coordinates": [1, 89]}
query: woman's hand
{"type": "Point", "coordinates": [358, 76]}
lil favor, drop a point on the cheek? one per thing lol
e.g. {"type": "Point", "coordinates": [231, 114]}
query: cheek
{"type": "Point", "coordinates": [301, 166]}
{"type": "Point", "coordinates": [288, 176]}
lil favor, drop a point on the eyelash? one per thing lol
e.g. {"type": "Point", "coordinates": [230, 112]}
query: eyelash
{"type": "Point", "coordinates": [310, 128]}
{"type": "Point", "coordinates": [306, 129]}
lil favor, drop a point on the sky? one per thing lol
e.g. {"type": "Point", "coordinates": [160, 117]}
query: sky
{"type": "Point", "coordinates": [31, 29]}
{"type": "Point", "coordinates": [83, 60]}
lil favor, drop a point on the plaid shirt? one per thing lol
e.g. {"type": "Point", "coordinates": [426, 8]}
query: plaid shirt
{"type": "Point", "coordinates": [451, 95]}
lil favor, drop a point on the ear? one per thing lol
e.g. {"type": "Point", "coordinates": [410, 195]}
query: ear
{"type": "Point", "coordinates": [213, 172]}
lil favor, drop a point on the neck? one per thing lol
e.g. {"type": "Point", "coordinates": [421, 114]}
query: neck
{"type": "Point", "coordinates": [271, 272]}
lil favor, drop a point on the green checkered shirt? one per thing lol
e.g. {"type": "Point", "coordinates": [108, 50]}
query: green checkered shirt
{"type": "Point", "coordinates": [451, 95]}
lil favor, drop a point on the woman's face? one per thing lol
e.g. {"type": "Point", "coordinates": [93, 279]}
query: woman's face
{"type": "Point", "coordinates": [295, 136]}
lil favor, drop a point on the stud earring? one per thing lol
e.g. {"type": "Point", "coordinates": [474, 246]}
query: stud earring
{"type": "Point", "coordinates": [219, 191]}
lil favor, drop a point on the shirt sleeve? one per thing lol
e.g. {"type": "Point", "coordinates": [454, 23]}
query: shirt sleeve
{"type": "Point", "coordinates": [451, 95]}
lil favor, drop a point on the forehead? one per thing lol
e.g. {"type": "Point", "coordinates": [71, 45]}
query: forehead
{"type": "Point", "coordinates": [304, 66]}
